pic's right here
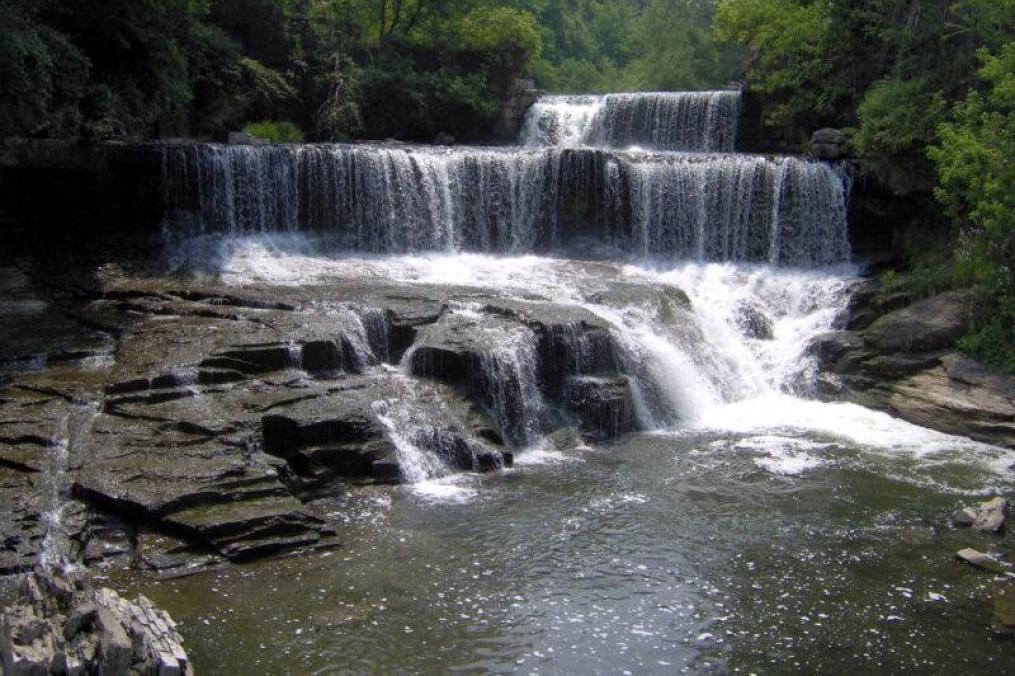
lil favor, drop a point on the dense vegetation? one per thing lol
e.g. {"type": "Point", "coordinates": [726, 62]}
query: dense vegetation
{"type": "Point", "coordinates": [411, 69]}
{"type": "Point", "coordinates": [336, 68]}
{"type": "Point", "coordinates": [924, 88]}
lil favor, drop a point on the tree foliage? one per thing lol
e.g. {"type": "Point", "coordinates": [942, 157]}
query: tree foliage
{"type": "Point", "coordinates": [977, 187]}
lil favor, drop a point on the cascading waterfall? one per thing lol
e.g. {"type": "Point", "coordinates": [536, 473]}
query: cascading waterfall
{"type": "Point", "coordinates": [691, 121]}
{"type": "Point", "coordinates": [687, 370]}
{"type": "Point", "coordinates": [409, 432]}
{"type": "Point", "coordinates": [508, 372]}
{"type": "Point", "coordinates": [671, 206]}
{"type": "Point", "coordinates": [649, 177]}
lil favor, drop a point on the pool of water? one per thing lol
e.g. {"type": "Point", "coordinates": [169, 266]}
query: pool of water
{"type": "Point", "coordinates": [702, 550]}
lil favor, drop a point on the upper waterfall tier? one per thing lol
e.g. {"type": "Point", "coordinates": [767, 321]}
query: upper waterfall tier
{"type": "Point", "coordinates": [691, 121]}
{"type": "Point", "coordinates": [414, 199]}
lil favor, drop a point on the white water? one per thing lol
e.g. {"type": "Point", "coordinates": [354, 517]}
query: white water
{"type": "Point", "coordinates": [754, 242]}
{"type": "Point", "coordinates": [55, 552]}
{"type": "Point", "coordinates": [690, 121]}
{"type": "Point", "coordinates": [693, 373]}
{"type": "Point", "coordinates": [413, 199]}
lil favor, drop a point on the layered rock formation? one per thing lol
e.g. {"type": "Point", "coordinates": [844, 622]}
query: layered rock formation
{"type": "Point", "coordinates": [900, 356]}
{"type": "Point", "coordinates": [198, 423]}
{"type": "Point", "coordinates": [60, 625]}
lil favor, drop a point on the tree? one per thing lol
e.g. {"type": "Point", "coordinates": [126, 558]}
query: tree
{"type": "Point", "coordinates": [977, 187]}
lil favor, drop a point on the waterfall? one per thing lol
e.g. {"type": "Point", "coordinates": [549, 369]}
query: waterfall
{"type": "Point", "coordinates": [690, 121]}
{"type": "Point", "coordinates": [509, 374]}
{"type": "Point", "coordinates": [55, 550]}
{"type": "Point", "coordinates": [409, 431]}
{"type": "Point", "coordinates": [649, 178]}
{"type": "Point", "coordinates": [671, 206]}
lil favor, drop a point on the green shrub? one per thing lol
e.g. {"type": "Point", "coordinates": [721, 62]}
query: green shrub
{"type": "Point", "coordinates": [275, 132]}
{"type": "Point", "coordinates": [992, 338]}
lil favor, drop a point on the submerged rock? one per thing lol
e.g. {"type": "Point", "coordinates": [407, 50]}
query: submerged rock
{"type": "Point", "coordinates": [62, 625]}
{"type": "Point", "coordinates": [981, 560]}
{"type": "Point", "coordinates": [1004, 606]}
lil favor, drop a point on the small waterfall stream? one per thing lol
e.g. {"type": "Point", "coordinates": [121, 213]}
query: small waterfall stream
{"type": "Point", "coordinates": [56, 551]}
{"type": "Point", "coordinates": [691, 121]}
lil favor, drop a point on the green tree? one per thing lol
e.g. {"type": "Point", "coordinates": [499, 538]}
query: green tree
{"type": "Point", "coordinates": [977, 187]}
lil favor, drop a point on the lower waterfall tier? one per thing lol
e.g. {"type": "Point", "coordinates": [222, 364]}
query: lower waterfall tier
{"type": "Point", "coordinates": [406, 199]}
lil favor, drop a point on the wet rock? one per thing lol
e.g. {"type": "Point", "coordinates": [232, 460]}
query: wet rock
{"type": "Point", "coordinates": [167, 556]}
{"type": "Point", "coordinates": [603, 405]}
{"type": "Point", "coordinates": [753, 322]}
{"type": "Point", "coordinates": [903, 360]}
{"type": "Point", "coordinates": [961, 397]}
{"type": "Point", "coordinates": [64, 626]}
{"type": "Point", "coordinates": [991, 516]}
{"type": "Point", "coordinates": [566, 439]}
{"type": "Point", "coordinates": [981, 560]}
{"type": "Point", "coordinates": [829, 144]}
{"type": "Point", "coordinates": [932, 324]}
{"type": "Point", "coordinates": [964, 517]}
{"type": "Point", "coordinates": [1004, 606]}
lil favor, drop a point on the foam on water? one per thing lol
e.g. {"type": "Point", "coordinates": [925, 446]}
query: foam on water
{"type": "Point", "coordinates": [783, 455]}
{"type": "Point", "coordinates": [703, 374]}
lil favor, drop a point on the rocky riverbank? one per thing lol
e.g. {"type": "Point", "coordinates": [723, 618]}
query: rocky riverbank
{"type": "Point", "coordinates": [201, 422]}
{"type": "Point", "coordinates": [899, 355]}
{"type": "Point", "coordinates": [59, 624]}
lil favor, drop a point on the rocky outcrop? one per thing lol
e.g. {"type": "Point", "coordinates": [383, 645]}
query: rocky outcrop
{"type": "Point", "coordinates": [200, 424]}
{"type": "Point", "coordinates": [829, 144]}
{"type": "Point", "coordinates": [60, 625]}
{"type": "Point", "coordinates": [901, 357]}
{"type": "Point", "coordinates": [520, 98]}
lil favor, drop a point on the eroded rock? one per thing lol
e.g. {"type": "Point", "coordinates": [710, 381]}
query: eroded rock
{"type": "Point", "coordinates": [904, 360]}
{"type": "Point", "coordinates": [62, 625]}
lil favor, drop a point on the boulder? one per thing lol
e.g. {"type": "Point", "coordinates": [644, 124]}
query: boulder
{"type": "Point", "coordinates": [829, 144]}
{"type": "Point", "coordinates": [753, 322]}
{"type": "Point", "coordinates": [964, 517]}
{"type": "Point", "coordinates": [991, 516]}
{"type": "Point", "coordinates": [933, 324]}
{"type": "Point", "coordinates": [900, 357]}
{"type": "Point", "coordinates": [603, 404]}
{"type": "Point", "coordinates": [981, 560]}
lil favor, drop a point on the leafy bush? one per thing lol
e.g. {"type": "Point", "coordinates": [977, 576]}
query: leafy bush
{"type": "Point", "coordinates": [899, 117]}
{"type": "Point", "coordinates": [42, 75]}
{"type": "Point", "coordinates": [977, 188]}
{"type": "Point", "coordinates": [267, 93]}
{"type": "Point", "coordinates": [275, 132]}
{"type": "Point", "coordinates": [789, 43]}
{"type": "Point", "coordinates": [509, 35]}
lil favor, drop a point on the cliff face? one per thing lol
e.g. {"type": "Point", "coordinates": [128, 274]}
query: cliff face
{"type": "Point", "coordinates": [57, 191]}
